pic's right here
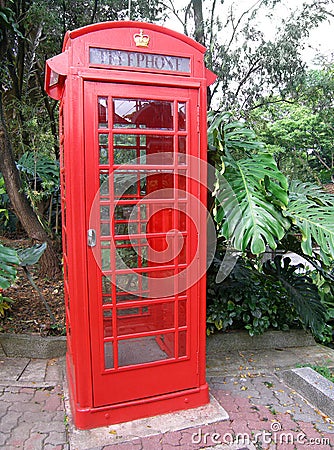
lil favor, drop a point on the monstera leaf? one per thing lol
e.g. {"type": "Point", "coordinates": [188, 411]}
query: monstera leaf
{"type": "Point", "coordinates": [252, 193]}
{"type": "Point", "coordinates": [8, 260]}
{"type": "Point", "coordinates": [301, 292]}
{"type": "Point", "coordinates": [30, 256]}
{"type": "Point", "coordinates": [42, 166]}
{"type": "Point", "coordinates": [311, 210]}
{"type": "Point", "coordinates": [250, 190]}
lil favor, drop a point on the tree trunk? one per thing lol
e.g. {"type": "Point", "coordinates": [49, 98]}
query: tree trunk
{"type": "Point", "coordinates": [49, 263]}
{"type": "Point", "coordinates": [199, 23]}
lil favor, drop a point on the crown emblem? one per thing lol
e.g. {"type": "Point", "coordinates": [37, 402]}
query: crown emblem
{"type": "Point", "coordinates": [141, 39]}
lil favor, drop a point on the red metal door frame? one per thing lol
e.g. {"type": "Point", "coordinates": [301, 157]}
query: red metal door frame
{"type": "Point", "coordinates": [133, 382]}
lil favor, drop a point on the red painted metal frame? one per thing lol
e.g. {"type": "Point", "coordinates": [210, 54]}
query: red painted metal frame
{"type": "Point", "coordinates": [78, 187]}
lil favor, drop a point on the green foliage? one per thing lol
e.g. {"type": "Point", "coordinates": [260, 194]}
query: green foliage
{"type": "Point", "coordinates": [247, 299]}
{"type": "Point", "coordinates": [311, 210]}
{"type": "Point", "coordinates": [255, 221]}
{"type": "Point", "coordinates": [8, 260]}
{"type": "Point", "coordinates": [41, 173]}
{"type": "Point", "coordinates": [4, 215]}
{"type": "Point", "coordinates": [325, 285]}
{"type": "Point", "coordinates": [301, 292]}
{"type": "Point", "coordinates": [254, 209]}
{"type": "Point", "coordinates": [276, 296]}
{"type": "Point", "coordinates": [7, 20]}
{"type": "Point", "coordinates": [5, 304]}
{"type": "Point", "coordinates": [322, 370]}
{"type": "Point", "coordinates": [300, 129]}
{"type": "Point", "coordinates": [251, 192]}
{"type": "Point", "coordinates": [248, 63]}
{"type": "Point", "coordinates": [30, 256]}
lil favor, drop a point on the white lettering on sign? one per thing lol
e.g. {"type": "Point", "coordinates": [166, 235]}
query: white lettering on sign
{"type": "Point", "coordinates": [152, 61]}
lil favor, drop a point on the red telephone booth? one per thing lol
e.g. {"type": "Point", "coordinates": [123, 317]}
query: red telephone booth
{"type": "Point", "coordinates": [133, 151]}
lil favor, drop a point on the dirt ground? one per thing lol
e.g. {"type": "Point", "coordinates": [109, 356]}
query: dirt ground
{"type": "Point", "coordinates": [28, 313]}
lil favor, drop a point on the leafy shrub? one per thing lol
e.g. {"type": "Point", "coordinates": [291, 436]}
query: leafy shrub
{"type": "Point", "coordinates": [325, 284]}
{"type": "Point", "coordinates": [274, 296]}
{"type": "Point", "coordinates": [5, 304]}
{"type": "Point", "coordinates": [247, 299]}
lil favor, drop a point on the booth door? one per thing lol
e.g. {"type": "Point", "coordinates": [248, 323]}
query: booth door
{"type": "Point", "coordinates": [142, 215]}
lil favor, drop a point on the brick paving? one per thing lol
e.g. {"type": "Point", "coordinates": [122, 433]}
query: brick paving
{"type": "Point", "coordinates": [264, 414]}
{"type": "Point", "coordinates": [32, 418]}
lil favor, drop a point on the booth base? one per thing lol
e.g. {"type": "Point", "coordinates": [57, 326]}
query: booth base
{"type": "Point", "coordinates": [87, 418]}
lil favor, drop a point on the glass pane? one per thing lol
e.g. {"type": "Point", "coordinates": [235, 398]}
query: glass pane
{"type": "Point", "coordinates": [142, 319]}
{"type": "Point", "coordinates": [142, 350]}
{"type": "Point", "coordinates": [104, 148]}
{"type": "Point", "coordinates": [141, 113]}
{"type": "Point", "coordinates": [143, 149]}
{"type": "Point", "coordinates": [126, 297]}
{"type": "Point", "coordinates": [128, 148]}
{"type": "Point", "coordinates": [182, 217]}
{"type": "Point", "coordinates": [160, 185]}
{"type": "Point", "coordinates": [182, 184]}
{"type": "Point", "coordinates": [159, 150]}
{"type": "Point", "coordinates": [128, 221]}
{"type": "Point", "coordinates": [105, 229]}
{"type": "Point", "coordinates": [130, 254]}
{"type": "Point", "coordinates": [128, 184]}
{"type": "Point", "coordinates": [181, 116]}
{"type": "Point", "coordinates": [182, 150]}
{"type": "Point", "coordinates": [107, 323]}
{"type": "Point", "coordinates": [106, 285]}
{"type": "Point", "coordinates": [182, 343]}
{"type": "Point", "coordinates": [182, 313]}
{"type": "Point", "coordinates": [104, 183]}
{"type": "Point", "coordinates": [160, 219]}
{"type": "Point", "coordinates": [108, 355]}
{"type": "Point", "coordinates": [103, 112]}
{"type": "Point", "coordinates": [131, 286]}
{"type": "Point", "coordinates": [105, 220]}
{"type": "Point", "coordinates": [106, 300]}
{"type": "Point", "coordinates": [128, 282]}
{"type": "Point", "coordinates": [105, 255]}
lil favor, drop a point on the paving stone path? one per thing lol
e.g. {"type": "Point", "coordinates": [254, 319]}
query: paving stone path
{"type": "Point", "coordinates": [32, 418]}
{"type": "Point", "coordinates": [264, 414]}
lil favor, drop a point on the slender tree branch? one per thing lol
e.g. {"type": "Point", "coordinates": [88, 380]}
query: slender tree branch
{"type": "Point", "coordinates": [236, 26]}
{"type": "Point", "coordinates": [41, 296]}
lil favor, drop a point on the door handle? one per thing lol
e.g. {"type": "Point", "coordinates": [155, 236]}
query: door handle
{"type": "Point", "coordinates": [91, 237]}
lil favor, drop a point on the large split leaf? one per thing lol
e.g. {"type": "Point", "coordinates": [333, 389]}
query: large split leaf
{"type": "Point", "coordinates": [8, 259]}
{"type": "Point", "coordinates": [312, 212]}
{"type": "Point", "coordinates": [252, 192]}
{"type": "Point", "coordinates": [30, 256]}
{"type": "Point", "coordinates": [302, 293]}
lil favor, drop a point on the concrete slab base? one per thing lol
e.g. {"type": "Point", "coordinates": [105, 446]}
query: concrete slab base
{"type": "Point", "coordinates": [313, 387]}
{"type": "Point", "coordinates": [25, 372]}
{"type": "Point", "coordinates": [140, 428]}
{"type": "Point", "coordinates": [12, 368]}
{"type": "Point", "coordinates": [32, 345]}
